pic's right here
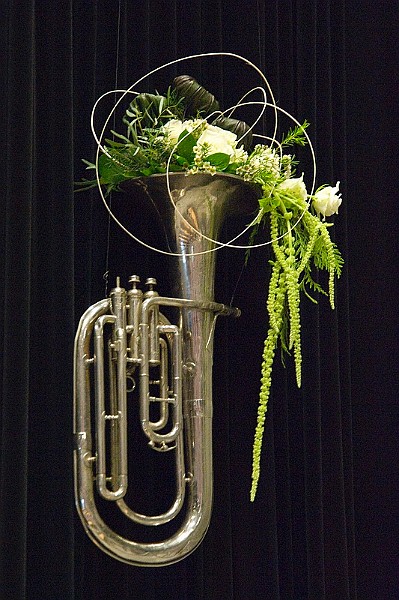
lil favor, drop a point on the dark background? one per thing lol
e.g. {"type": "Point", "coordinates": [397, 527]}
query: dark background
{"type": "Point", "coordinates": [325, 521]}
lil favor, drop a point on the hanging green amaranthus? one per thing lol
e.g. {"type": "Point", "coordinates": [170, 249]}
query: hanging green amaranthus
{"type": "Point", "coordinates": [300, 240]}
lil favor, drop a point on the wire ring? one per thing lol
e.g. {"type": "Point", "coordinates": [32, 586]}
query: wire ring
{"type": "Point", "coordinates": [230, 110]}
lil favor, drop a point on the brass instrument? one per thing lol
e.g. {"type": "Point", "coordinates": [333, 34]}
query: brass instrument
{"type": "Point", "coordinates": [126, 337]}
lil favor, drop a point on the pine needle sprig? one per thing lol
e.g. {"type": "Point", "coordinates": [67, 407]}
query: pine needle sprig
{"type": "Point", "coordinates": [296, 135]}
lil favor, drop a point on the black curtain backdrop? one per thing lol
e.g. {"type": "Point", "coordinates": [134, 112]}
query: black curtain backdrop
{"type": "Point", "coordinates": [325, 521]}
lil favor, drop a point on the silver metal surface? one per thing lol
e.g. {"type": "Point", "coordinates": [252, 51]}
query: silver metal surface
{"type": "Point", "coordinates": [143, 339]}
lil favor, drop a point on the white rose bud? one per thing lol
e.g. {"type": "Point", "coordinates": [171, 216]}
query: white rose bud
{"type": "Point", "coordinates": [218, 140]}
{"type": "Point", "coordinates": [326, 201]}
{"type": "Point", "coordinates": [294, 186]}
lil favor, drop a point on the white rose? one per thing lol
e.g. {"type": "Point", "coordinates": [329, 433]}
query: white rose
{"type": "Point", "coordinates": [172, 130]}
{"type": "Point", "coordinates": [326, 201]}
{"type": "Point", "coordinates": [218, 140]}
{"type": "Point", "coordinates": [294, 186]}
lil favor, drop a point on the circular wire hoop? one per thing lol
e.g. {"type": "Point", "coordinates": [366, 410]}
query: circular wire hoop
{"type": "Point", "coordinates": [276, 109]}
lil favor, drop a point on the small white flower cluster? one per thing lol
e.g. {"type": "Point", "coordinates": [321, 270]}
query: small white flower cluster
{"type": "Point", "coordinates": [201, 165]}
{"type": "Point", "coordinates": [240, 156]}
{"type": "Point", "coordinates": [286, 165]}
{"type": "Point", "coordinates": [263, 158]}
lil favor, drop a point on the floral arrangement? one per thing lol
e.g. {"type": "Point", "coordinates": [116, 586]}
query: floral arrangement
{"type": "Point", "coordinates": [184, 130]}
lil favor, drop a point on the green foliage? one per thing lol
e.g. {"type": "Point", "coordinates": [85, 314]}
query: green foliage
{"type": "Point", "coordinates": [150, 111]}
{"type": "Point", "coordinates": [296, 136]}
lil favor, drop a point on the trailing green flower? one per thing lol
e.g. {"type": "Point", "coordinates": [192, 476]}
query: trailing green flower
{"type": "Point", "coordinates": [299, 241]}
{"type": "Point", "coordinates": [275, 311]}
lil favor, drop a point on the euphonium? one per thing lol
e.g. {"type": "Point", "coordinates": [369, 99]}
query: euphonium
{"type": "Point", "coordinates": [171, 364]}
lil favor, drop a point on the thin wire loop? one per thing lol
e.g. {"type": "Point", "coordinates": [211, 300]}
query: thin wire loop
{"type": "Point", "coordinates": [272, 104]}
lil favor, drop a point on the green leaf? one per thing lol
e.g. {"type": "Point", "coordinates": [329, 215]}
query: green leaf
{"type": "Point", "coordinates": [109, 170]}
{"type": "Point", "coordinates": [269, 203]}
{"type": "Point", "coordinates": [147, 172]}
{"type": "Point", "coordinates": [232, 168]}
{"type": "Point", "coordinates": [219, 160]}
{"type": "Point", "coordinates": [84, 185]}
{"type": "Point", "coordinates": [196, 99]}
{"type": "Point", "coordinates": [89, 164]}
{"type": "Point", "coordinates": [174, 168]}
{"type": "Point", "coordinates": [185, 146]}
